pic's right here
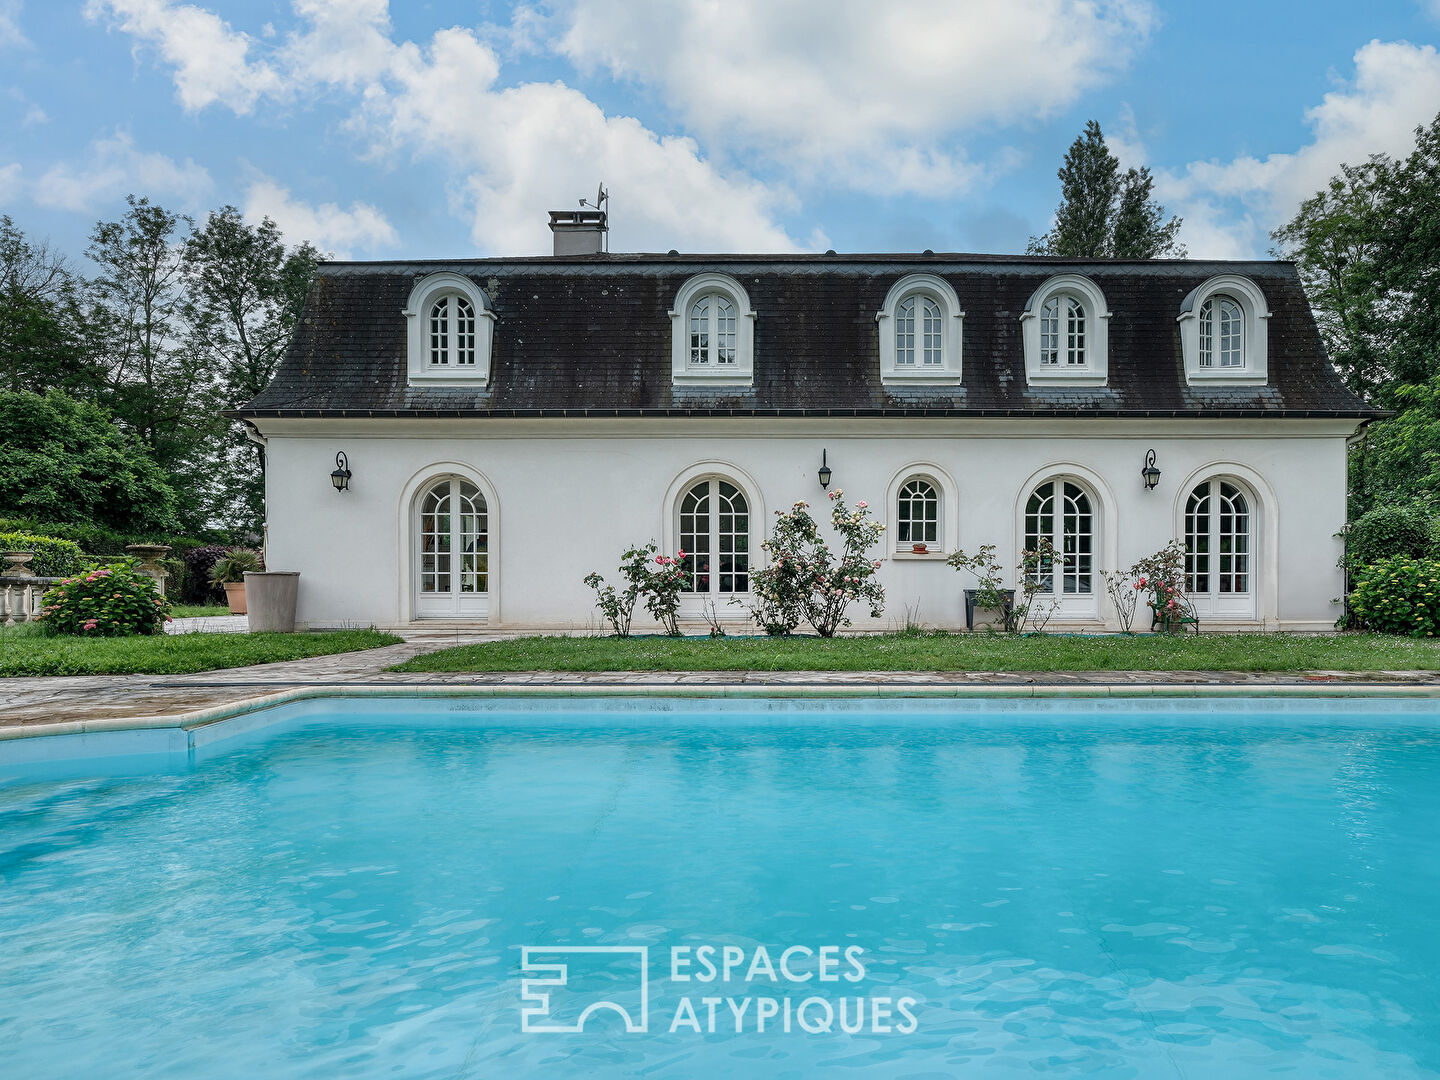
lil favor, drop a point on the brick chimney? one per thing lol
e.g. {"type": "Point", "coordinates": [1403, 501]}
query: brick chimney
{"type": "Point", "coordinates": [579, 232]}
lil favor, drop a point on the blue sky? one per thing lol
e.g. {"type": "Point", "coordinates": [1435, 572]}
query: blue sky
{"type": "Point", "coordinates": [448, 128]}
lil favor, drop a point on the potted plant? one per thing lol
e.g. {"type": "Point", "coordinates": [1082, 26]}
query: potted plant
{"type": "Point", "coordinates": [919, 549]}
{"type": "Point", "coordinates": [989, 606]}
{"type": "Point", "coordinates": [229, 572]}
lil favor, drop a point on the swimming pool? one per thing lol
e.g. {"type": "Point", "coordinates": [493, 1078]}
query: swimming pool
{"type": "Point", "coordinates": [378, 887]}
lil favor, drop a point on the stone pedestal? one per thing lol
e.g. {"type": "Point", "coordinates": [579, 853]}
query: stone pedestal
{"type": "Point", "coordinates": [149, 564]}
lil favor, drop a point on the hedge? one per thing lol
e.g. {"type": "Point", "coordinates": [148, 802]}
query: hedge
{"type": "Point", "coordinates": [1398, 595]}
{"type": "Point", "coordinates": [53, 558]}
{"type": "Point", "coordinates": [1406, 530]}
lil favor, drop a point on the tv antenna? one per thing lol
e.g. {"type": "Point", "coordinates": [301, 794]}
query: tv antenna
{"type": "Point", "coordinates": [601, 203]}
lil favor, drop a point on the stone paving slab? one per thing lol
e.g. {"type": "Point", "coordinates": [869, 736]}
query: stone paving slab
{"type": "Point", "coordinates": [44, 701]}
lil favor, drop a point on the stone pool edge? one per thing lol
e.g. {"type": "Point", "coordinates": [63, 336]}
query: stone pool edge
{"type": "Point", "coordinates": [199, 718]}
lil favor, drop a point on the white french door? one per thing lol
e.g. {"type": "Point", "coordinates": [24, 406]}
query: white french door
{"type": "Point", "coordinates": [1060, 510]}
{"type": "Point", "coordinates": [452, 549]}
{"type": "Point", "coordinates": [1220, 551]}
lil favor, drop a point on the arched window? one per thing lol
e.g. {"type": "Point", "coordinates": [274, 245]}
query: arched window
{"type": "Point", "coordinates": [452, 533]}
{"type": "Point", "coordinates": [1219, 548]}
{"type": "Point", "coordinates": [450, 328]}
{"type": "Point", "coordinates": [714, 533]}
{"type": "Point", "coordinates": [931, 342]}
{"type": "Point", "coordinates": [1065, 330]}
{"type": "Point", "coordinates": [1060, 510]}
{"type": "Point", "coordinates": [1222, 333]}
{"type": "Point", "coordinates": [921, 332]}
{"type": "Point", "coordinates": [917, 513]}
{"type": "Point", "coordinates": [712, 331]}
{"type": "Point", "coordinates": [452, 332]}
{"type": "Point", "coordinates": [1062, 331]}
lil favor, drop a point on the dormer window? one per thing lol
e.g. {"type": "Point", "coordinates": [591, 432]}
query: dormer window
{"type": "Point", "coordinates": [1223, 334]}
{"type": "Point", "coordinates": [921, 332]}
{"type": "Point", "coordinates": [713, 333]}
{"type": "Point", "coordinates": [1066, 333]}
{"type": "Point", "coordinates": [450, 330]}
{"type": "Point", "coordinates": [1062, 331]}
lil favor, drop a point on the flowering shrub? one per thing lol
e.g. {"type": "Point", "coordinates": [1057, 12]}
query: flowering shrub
{"type": "Point", "coordinates": [1398, 595]}
{"type": "Point", "coordinates": [1124, 592]}
{"type": "Point", "coordinates": [658, 578]}
{"type": "Point", "coordinates": [1163, 576]}
{"type": "Point", "coordinates": [806, 579]}
{"type": "Point", "coordinates": [1037, 576]}
{"type": "Point", "coordinates": [112, 601]}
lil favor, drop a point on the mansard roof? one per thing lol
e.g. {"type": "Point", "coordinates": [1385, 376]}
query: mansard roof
{"type": "Point", "coordinates": [591, 336]}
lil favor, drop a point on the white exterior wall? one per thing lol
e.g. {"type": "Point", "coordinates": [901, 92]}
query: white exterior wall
{"type": "Point", "coordinates": [568, 496]}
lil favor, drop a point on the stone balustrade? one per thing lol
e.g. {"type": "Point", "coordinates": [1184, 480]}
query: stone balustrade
{"type": "Point", "coordinates": [20, 597]}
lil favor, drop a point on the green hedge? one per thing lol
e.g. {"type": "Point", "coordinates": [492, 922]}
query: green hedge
{"type": "Point", "coordinates": [1398, 595]}
{"type": "Point", "coordinates": [53, 558]}
{"type": "Point", "coordinates": [1406, 530]}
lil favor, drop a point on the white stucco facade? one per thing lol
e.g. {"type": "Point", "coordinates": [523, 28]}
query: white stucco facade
{"type": "Point", "coordinates": [565, 496]}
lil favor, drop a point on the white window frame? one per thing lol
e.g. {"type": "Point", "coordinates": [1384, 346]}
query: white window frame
{"type": "Point", "coordinates": [682, 371]}
{"type": "Point", "coordinates": [423, 297]}
{"type": "Point", "coordinates": [454, 603]}
{"type": "Point", "coordinates": [1095, 371]}
{"type": "Point", "coordinates": [952, 325]}
{"type": "Point", "coordinates": [714, 535]}
{"type": "Point", "coordinates": [1213, 603]}
{"type": "Point", "coordinates": [1077, 605]}
{"type": "Point", "coordinates": [1254, 342]}
{"type": "Point", "coordinates": [949, 518]}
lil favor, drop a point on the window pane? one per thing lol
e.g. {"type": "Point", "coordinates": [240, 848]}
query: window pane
{"type": "Point", "coordinates": [440, 332]}
{"type": "Point", "coordinates": [1231, 332]}
{"type": "Point", "coordinates": [933, 333]}
{"type": "Point", "coordinates": [724, 330]}
{"type": "Point", "coordinates": [918, 513]}
{"type": "Point", "coordinates": [464, 331]}
{"type": "Point", "coordinates": [1207, 339]}
{"type": "Point", "coordinates": [905, 333]}
{"type": "Point", "coordinates": [1050, 331]}
{"type": "Point", "coordinates": [1075, 353]}
{"type": "Point", "coordinates": [695, 537]}
{"type": "Point", "coordinates": [700, 331]}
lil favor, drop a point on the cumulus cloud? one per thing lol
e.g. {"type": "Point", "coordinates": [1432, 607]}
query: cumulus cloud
{"type": "Point", "coordinates": [10, 182]}
{"type": "Point", "coordinates": [211, 60]}
{"type": "Point", "coordinates": [328, 226]}
{"type": "Point", "coordinates": [1230, 206]}
{"type": "Point", "coordinates": [118, 166]}
{"type": "Point", "coordinates": [877, 88]}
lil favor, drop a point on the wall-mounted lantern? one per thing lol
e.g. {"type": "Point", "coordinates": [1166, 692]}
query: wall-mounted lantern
{"type": "Point", "coordinates": [341, 476]}
{"type": "Point", "coordinates": [824, 471]}
{"type": "Point", "coordinates": [1149, 472]}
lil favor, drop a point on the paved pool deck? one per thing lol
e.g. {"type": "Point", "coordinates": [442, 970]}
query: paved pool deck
{"type": "Point", "coordinates": [38, 705]}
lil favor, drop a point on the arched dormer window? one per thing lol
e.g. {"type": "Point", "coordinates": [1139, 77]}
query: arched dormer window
{"type": "Point", "coordinates": [713, 333]}
{"type": "Point", "coordinates": [449, 331]}
{"type": "Point", "coordinates": [921, 331]}
{"type": "Point", "coordinates": [1223, 325]}
{"type": "Point", "coordinates": [1066, 333]}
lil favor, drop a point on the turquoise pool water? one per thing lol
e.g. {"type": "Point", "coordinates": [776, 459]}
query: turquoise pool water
{"type": "Point", "coordinates": [1161, 889]}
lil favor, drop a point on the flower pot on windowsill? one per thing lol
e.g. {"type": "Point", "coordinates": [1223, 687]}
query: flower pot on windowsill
{"type": "Point", "coordinates": [235, 597]}
{"type": "Point", "coordinates": [978, 617]}
{"type": "Point", "coordinates": [919, 549]}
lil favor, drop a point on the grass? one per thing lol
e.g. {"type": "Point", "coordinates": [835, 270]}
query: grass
{"type": "Point", "coordinates": [198, 611]}
{"type": "Point", "coordinates": [927, 651]}
{"type": "Point", "coordinates": [24, 650]}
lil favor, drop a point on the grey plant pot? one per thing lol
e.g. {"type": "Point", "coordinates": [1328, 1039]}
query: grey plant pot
{"type": "Point", "coordinates": [270, 596]}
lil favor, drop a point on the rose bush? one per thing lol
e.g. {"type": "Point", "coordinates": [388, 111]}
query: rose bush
{"type": "Point", "coordinates": [112, 601]}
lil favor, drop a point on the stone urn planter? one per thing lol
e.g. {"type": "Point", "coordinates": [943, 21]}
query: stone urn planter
{"type": "Point", "coordinates": [15, 563]}
{"type": "Point", "coordinates": [989, 618]}
{"type": "Point", "coordinates": [270, 596]}
{"type": "Point", "coordinates": [235, 597]}
{"type": "Point", "coordinates": [148, 558]}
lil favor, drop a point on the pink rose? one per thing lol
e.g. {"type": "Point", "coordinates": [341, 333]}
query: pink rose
{"type": "Point", "coordinates": [862, 504]}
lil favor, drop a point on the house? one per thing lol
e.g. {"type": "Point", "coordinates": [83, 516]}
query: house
{"type": "Point", "coordinates": [510, 424]}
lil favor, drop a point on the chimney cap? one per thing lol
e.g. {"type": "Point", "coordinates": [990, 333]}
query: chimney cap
{"type": "Point", "coordinates": [579, 232]}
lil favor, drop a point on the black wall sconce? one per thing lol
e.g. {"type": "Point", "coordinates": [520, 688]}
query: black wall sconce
{"type": "Point", "coordinates": [341, 476]}
{"type": "Point", "coordinates": [1149, 472]}
{"type": "Point", "coordinates": [824, 471]}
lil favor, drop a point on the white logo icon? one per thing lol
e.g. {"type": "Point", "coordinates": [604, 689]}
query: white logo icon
{"type": "Point", "coordinates": [575, 1000]}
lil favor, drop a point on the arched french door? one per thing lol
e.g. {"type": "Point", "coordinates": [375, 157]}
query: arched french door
{"type": "Point", "coordinates": [714, 533]}
{"type": "Point", "coordinates": [1220, 550]}
{"type": "Point", "coordinates": [1063, 511]}
{"type": "Point", "coordinates": [452, 552]}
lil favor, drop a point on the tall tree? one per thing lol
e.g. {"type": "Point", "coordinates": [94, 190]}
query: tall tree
{"type": "Point", "coordinates": [1104, 214]}
{"type": "Point", "coordinates": [43, 339]}
{"type": "Point", "coordinates": [245, 293]}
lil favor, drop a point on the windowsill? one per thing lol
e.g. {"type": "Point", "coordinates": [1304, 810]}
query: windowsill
{"type": "Point", "coordinates": [449, 378]}
{"type": "Point", "coordinates": [922, 376]}
{"type": "Point", "coordinates": [1083, 377]}
{"type": "Point", "coordinates": [705, 378]}
{"type": "Point", "coordinates": [915, 556]}
{"type": "Point", "coordinates": [1226, 377]}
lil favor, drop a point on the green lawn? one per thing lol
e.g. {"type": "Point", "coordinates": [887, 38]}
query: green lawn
{"type": "Point", "coordinates": [26, 651]}
{"type": "Point", "coordinates": [198, 611]}
{"type": "Point", "coordinates": [941, 652]}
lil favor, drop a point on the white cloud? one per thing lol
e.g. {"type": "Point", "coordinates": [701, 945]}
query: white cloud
{"type": "Point", "coordinates": [1395, 89]}
{"type": "Point", "coordinates": [117, 167]}
{"type": "Point", "coordinates": [329, 227]}
{"type": "Point", "coordinates": [874, 89]}
{"type": "Point", "coordinates": [10, 183]}
{"type": "Point", "coordinates": [10, 32]}
{"type": "Point", "coordinates": [211, 60]}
